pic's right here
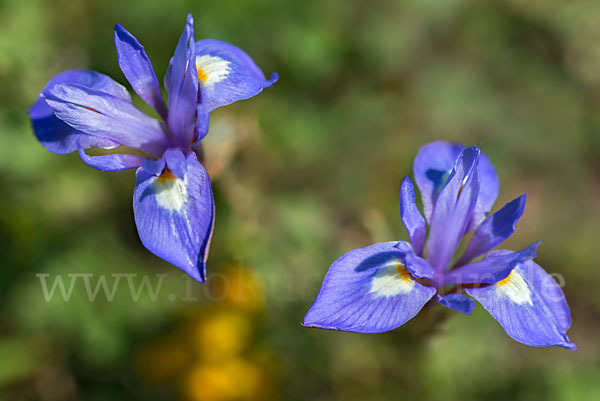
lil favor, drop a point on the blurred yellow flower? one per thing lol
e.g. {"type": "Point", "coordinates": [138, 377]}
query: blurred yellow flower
{"type": "Point", "coordinates": [210, 354]}
{"type": "Point", "coordinates": [221, 335]}
{"type": "Point", "coordinates": [232, 379]}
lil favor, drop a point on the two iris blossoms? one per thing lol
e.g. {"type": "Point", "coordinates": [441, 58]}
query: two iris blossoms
{"type": "Point", "coordinates": [372, 289]}
{"type": "Point", "coordinates": [173, 203]}
{"type": "Point", "coordinates": [380, 287]}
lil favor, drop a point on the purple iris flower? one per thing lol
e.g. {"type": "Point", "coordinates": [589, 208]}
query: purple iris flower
{"type": "Point", "coordinates": [173, 203]}
{"type": "Point", "coordinates": [380, 287]}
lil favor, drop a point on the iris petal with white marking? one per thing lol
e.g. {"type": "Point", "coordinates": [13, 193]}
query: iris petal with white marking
{"type": "Point", "coordinates": [368, 290]}
{"type": "Point", "coordinates": [227, 74]}
{"type": "Point", "coordinates": [529, 305]}
{"type": "Point", "coordinates": [174, 211]}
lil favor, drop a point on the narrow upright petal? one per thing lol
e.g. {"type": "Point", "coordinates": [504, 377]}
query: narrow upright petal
{"type": "Point", "coordinates": [227, 74]}
{"type": "Point", "coordinates": [368, 290]}
{"type": "Point", "coordinates": [453, 210]}
{"type": "Point", "coordinates": [56, 135]}
{"type": "Point", "coordinates": [529, 305]}
{"type": "Point", "coordinates": [495, 229]}
{"type": "Point", "coordinates": [488, 191]}
{"type": "Point", "coordinates": [496, 266]}
{"type": "Point", "coordinates": [183, 88]}
{"type": "Point", "coordinates": [432, 167]}
{"type": "Point", "coordinates": [138, 70]}
{"type": "Point", "coordinates": [411, 217]}
{"type": "Point", "coordinates": [114, 162]}
{"type": "Point", "coordinates": [103, 115]}
{"type": "Point", "coordinates": [174, 210]}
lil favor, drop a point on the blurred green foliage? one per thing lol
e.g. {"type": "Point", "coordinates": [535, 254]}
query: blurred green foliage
{"type": "Point", "coordinates": [314, 171]}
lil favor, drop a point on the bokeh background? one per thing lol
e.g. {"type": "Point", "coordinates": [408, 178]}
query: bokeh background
{"type": "Point", "coordinates": [302, 173]}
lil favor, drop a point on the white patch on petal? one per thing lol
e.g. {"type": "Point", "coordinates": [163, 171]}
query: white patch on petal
{"type": "Point", "coordinates": [515, 288]}
{"type": "Point", "coordinates": [211, 69]}
{"type": "Point", "coordinates": [390, 281]}
{"type": "Point", "coordinates": [170, 193]}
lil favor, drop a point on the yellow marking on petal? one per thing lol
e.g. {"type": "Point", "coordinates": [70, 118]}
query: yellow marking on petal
{"type": "Point", "coordinates": [201, 74]}
{"type": "Point", "coordinates": [506, 280]}
{"type": "Point", "coordinates": [402, 272]}
{"type": "Point", "coordinates": [515, 288]}
{"type": "Point", "coordinates": [170, 191]}
{"type": "Point", "coordinates": [211, 69]}
{"type": "Point", "coordinates": [391, 280]}
{"type": "Point", "coordinates": [165, 177]}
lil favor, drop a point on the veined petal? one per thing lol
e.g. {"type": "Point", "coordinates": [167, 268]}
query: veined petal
{"type": "Point", "coordinates": [175, 214]}
{"type": "Point", "coordinates": [457, 302]}
{"type": "Point", "coordinates": [138, 70]}
{"type": "Point", "coordinates": [411, 217]}
{"type": "Point", "coordinates": [494, 267]}
{"type": "Point", "coordinates": [56, 135]}
{"type": "Point", "coordinates": [368, 290]}
{"type": "Point", "coordinates": [227, 74]}
{"type": "Point", "coordinates": [453, 210]}
{"type": "Point", "coordinates": [183, 88]}
{"type": "Point", "coordinates": [529, 305]}
{"type": "Point", "coordinates": [114, 162]}
{"type": "Point", "coordinates": [100, 114]}
{"type": "Point", "coordinates": [432, 167]}
{"type": "Point", "coordinates": [495, 229]}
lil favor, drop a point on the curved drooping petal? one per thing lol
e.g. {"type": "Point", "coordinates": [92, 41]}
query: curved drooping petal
{"type": "Point", "coordinates": [201, 123]}
{"type": "Point", "coordinates": [529, 305]}
{"type": "Point", "coordinates": [114, 162]}
{"type": "Point", "coordinates": [495, 229]}
{"type": "Point", "coordinates": [368, 290]}
{"type": "Point", "coordinates": [183, 88]}
{"type": "Point", "coordinates": [103, 115]}
{"type": "Point", "coordinates": [56, 135]}
{"type": "Point", "coordinates": [138, 70]}
{"type": "Point", "coordinates": [496, 266]}
{"type": "Point", "coordinates": [453, 209]}
{"type": "Point", "coordinates": [411, 217]}
{"type": "Point", "coordinates": [457, 302]}
{"type": "Point", "coordinates": [174, 210]}
{"type": "Point", "coordinates": [227, 74]}
{"type": "Point", "coordinates": [432, 167]}
{"type": "Point", "coordinates": [416, 265]}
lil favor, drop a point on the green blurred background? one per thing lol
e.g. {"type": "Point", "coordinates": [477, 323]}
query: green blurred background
{"type": "Point", "coordinates": [302, 173]}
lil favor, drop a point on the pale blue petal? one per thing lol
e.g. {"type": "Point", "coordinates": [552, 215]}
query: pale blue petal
{"type": "Point", "coordinates": [367, 290]}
